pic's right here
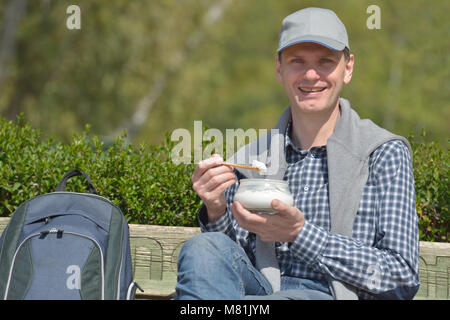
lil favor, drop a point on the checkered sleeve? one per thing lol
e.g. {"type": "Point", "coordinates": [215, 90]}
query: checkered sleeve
{"type": "Point", "coordinates": [225, 223]}
{"type": "Point", "coordinates": [387, 266]}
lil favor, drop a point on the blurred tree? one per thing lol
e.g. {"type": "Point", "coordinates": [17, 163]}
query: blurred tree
{"type": "Point", "coordinates": [151, 66]}
{"type": "Point", "coordinates": [11, 19]}
{"type": "Point", "coordinates": [140, 116]}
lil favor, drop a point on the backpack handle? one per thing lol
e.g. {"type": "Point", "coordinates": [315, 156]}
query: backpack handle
{"type": "Point", "coordinates": [72, 173]}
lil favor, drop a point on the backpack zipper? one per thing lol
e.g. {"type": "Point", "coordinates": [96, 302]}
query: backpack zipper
{"type": "Point", "coordinates": [13, 262]}
{"type": "Point", "coordinates": [131, 287]}
{"type": "Point", "coordinates": [54, 230]}
{"type": "Point", "coordinates": [120, 270]}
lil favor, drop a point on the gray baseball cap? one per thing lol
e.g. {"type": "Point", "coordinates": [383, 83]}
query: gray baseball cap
{"type": "Point", "coordinates": [317, 25]}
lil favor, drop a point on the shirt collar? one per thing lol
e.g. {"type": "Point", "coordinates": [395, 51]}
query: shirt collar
{"type": "Point", "coordinates": [289, 145]}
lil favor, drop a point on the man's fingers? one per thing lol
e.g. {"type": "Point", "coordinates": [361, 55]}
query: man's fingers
{"type": "Point", "coordinates": [246, 219]}
{"type": "Point", "coordinates": [205, 165]}
{"type": "Point", "coordinates": [281, 207]}
{"type": "Point", "coordinates": [228, 183]}
{"type": "Point", "coordinates": [217, 191]}
{"type": "Point", "coordinates": [213, 178]}
{"type": "Point", "coordinates": [283, 226]}
{"type": "Point", "coordinates": [217, 176]}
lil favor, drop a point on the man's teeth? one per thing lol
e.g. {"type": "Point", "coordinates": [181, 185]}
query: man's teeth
{"type": "Point", "coordinates": [311, 89]}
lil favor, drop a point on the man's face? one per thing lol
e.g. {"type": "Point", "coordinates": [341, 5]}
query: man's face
{"type": "Point", "coordinates": [313, 76]}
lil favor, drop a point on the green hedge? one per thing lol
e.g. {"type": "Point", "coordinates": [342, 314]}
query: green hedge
{"type": "Point", "coordinates": [150, 189]}
{"type": "Point", "coordinates": [431, 174]}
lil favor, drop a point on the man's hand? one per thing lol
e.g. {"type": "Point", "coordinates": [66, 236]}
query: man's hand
{"type": "Point", "coordinates": [210, 179]}
{"type": "Point", "coordinates": [284, 226]}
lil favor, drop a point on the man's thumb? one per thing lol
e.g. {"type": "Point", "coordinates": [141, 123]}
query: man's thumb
{"type": "Point", "coordinates": [278, 205]}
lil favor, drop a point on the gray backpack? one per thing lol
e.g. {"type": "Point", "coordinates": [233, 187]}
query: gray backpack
{"type": "Point", "coordinates": [66, 245]}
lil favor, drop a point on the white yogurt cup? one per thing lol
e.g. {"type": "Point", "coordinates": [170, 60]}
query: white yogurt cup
{"type": "Point", "coordinates": [256, 195]}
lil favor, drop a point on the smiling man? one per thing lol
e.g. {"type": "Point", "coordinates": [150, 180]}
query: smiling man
{"type": "Point", "coordinates": [313, 76]}
{"type": "Point", "coordinates": [352, 230]}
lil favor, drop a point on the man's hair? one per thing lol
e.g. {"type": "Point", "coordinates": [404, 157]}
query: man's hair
{"type": "Point", "coordinates": [346, 54]}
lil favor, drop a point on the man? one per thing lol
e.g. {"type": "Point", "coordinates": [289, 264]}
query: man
{"type": "Point", "coordinates": [352, 231]}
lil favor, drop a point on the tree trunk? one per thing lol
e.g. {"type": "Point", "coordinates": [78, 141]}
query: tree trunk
{"type": "Point", "coordinates": [146, 103]}
{"type": "Point", "coordinates": [13, 15]}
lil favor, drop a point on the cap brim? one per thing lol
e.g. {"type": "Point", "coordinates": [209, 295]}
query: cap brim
{"type": "Point", "coordinates": [326, 42]}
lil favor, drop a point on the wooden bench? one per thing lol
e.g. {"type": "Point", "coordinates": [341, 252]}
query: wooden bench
{"type": "Point", "coordinates": [155, 251]}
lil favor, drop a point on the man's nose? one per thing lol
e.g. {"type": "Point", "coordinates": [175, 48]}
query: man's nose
{"type": "Point", "coordinates": [311, 74]}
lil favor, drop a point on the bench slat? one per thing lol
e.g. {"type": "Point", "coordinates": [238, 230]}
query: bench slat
{"type": "Point", "coordinates": [155, 251]}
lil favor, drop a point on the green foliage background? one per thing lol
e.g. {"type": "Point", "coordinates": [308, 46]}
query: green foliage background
{"type": "Point", "coordinates": [213, 60]}
{"type": "Point", "coordinates": [209, 60]}
{"type": "Point", "coordinates": [150, 189]}
{"type": "Point", "coordinates": [141, 181]}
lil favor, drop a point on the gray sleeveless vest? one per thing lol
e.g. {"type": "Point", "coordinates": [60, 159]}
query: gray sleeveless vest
{"type": "Point", "coordinates": [348, 152]}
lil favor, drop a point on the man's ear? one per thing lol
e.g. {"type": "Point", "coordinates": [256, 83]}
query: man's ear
{"type": "Point", "coordinates": [349, 69]}
{"type": "Point", "coordinates": [278, 68]}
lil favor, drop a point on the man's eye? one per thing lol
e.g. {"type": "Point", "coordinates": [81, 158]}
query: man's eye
{"type": "Point", "coordinates": [323, 61]}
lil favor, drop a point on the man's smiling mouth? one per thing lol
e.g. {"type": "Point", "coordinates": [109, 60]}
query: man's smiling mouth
{"type": "Point", "coordinates": [312, 89]}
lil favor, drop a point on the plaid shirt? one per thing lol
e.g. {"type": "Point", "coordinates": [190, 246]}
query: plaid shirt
{"type": "Point", "coordinates": [381, 257]}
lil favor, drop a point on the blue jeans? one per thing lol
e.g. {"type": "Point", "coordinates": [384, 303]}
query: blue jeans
{"type": "Point", "coordinates": [212, 266]}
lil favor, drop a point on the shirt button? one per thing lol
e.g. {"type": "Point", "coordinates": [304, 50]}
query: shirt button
{"type": "Point", "coordinates": [306, 188]}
